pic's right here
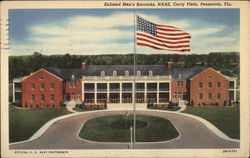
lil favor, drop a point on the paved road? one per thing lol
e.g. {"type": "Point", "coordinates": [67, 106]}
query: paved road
{"type": "Point", "coordinates": [63, 135]}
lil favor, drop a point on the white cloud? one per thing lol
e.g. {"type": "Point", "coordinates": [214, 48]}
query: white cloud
{"type": "Point", "coordinates": [100, 35]}
{"type": "Point", "coordinates": [206, 31]}
{"type": "Point", "coordinates": [220, 39]}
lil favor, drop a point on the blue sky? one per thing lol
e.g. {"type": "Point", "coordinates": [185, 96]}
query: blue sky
{"type": "Point", "coordinates": [111, 31]}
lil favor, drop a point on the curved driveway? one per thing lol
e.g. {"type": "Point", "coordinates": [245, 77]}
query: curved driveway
{"type": "Point", "coordinates": [63, 135]}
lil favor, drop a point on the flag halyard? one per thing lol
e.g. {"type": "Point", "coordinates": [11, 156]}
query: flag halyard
{"type": "Point", "coordinates": [161, 37]}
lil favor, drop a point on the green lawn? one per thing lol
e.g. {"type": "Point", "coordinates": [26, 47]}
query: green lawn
{"type": "Point", "coordinates": [227, 119]}
{"type": "Point", "coordinates": [23, 123]}
{"type": "Point", "coordinates": [175, 108]}
{"type": "Point", "coordinates": [102, 129]}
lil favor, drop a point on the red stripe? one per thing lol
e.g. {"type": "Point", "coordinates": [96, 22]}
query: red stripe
{"type": "Point", "coordinates": [163, 45]}
{"type": "Point", "coordinates": [181, 50]}
{"type": "Point", "coordinates": [168, 29]}
{"type": "Point", "coordinates": [167, 26]}
{"type": "Point", "coordinates": [139, 34]}
{"type": "Point", "coordinates": [179, 38]}
{"type": "Point", "coordinates": [173, 34]}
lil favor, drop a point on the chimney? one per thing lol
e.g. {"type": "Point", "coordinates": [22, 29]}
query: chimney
{"type": "Point", "coordinates": [84, 66]}
{"type": "Point", "coordinates": [169, 65]}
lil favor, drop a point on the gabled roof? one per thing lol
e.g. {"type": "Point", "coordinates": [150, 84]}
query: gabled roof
{"type": "Point", "coordinates": [66, 74]}
{"type": "Point", "coordinates": [95, 70]}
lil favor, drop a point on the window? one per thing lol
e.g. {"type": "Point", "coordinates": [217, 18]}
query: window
{"type": "Point", "coordinates": [52, 97]}
{"type": "Point", "coordinates": [114, 73]}
{"type": "Point", "coordinates": [78, 96]}
{"type": "Point", "coordinates": [209, 77]}
{"type": "Point", "coordinates": [103, 73]}
{"type": "Point", "coordinates": [179, 76]}
{"type": "Point", "coordinates": [200, 84]}
{"type": "Point", "coordinates": [42, 87]}
{"type": "Point", "coordinates": [42, 98]}
{"type": "Point", "coordinates": [52, 86]}
{"type": "Point", "coordinates": [72, 85]}
{"type": "Point", "coordinates": [179, 83]}
{"type": "Point", "coordinates": [200, 96]}
{"type": "Point", "coordinates": [89, 86]}
{"type": "Point", "coordinates": [140, 86]}
{"type": "Point", "coordinates": [218, 96]}
{"type": "Point", "coordinates": [138, 73]}
{"type": "Point", "coordinates": [209, 85]}
{"type": "Point", "coordinates": [150, 73]}
{"type": "Point", "coordinates": [231, 84]}
{"type": "Point", "coordinates": [179, 95]}
{"type": "Point", "coordinates": [151, 86]}
{"type": "Point", "coordinates": [218, 84]}
{"type": "Point", "coordinates": [126, 86]}
{"type": "Point", "coordinates": [72, 96]}
{"type": "Point", "coordinates": [164, 86]}
{"type": "Point", "coordinates": [114, 86]}
{"type": "Point", "coordinates": [209, 96]}
{"type": "Point", "coordinates": [32, 86]}
{"type": "Point", "coordinates": [101, 86]}
{"type": "Point", "coordinates": [126, 73]}
{"type": "Point", "coordinates": [33, 98]}
{"type": "Point", "coordinates": [174, 95]}
{"type": "Point", "coordinates": [41, 78]}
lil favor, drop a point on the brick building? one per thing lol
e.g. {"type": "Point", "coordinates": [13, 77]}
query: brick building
{"type": "Point", "coordinates": [113, 84]}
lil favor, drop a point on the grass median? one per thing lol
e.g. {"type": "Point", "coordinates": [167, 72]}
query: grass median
{"type": "Point", "coordinates": [23, 123]}
{"type": "Point", "coordinates": [116, 128]}
{"type": "Point", "coordinates": [227, 119]}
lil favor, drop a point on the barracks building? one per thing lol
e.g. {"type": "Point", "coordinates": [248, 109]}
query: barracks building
{"type": "Point", "coordinates": [112, 85]}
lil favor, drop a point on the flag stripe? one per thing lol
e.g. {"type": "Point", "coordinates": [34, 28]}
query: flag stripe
{"type": "Point", "coordinates": [163, 41]}
{"type": "Point", "coordinates": [163, 45]}
{"type": "Point", "coordinates": [176, 50]}
{"type": "Point", "coordinates": [172, 34]}
{"type": "Point", "coordinates": [161, 37]}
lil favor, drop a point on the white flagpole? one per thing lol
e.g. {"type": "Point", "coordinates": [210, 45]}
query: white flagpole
{"type": "Point", "coordinates": [134, 92]}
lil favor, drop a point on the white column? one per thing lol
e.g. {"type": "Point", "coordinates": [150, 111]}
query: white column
{"type": "Point", "coordinates": [235, 90]}
{"type": "Point", "coordinates": [145, 92]}
{"type": "Point", "coordinates": [157, 94]}
{"type": "Point", "coordinates": [13, 91]}
{"type": "Point", "coordinates": [107, 91]}
{"type": "Point", "coordinates": [120, 92]}
{"type": "Point", "coordinates": [133, 92]}
{"type": "Point", "coordinates": [170, 96]}
{"type": "Point", "coordinates": [82, 91]}
{"type": "Point", "coordinates": [95, 93]}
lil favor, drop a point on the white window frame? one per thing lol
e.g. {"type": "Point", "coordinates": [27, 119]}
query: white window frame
{"type": "Point", "coordinates": [33, 86]}
{"type": "Point", "coordinates": [42, 100]}
{"type": "Point", "coordinates": [33, 100]}
{"type": "Point", "coordinates": [126, 73]}
{"type": "Point", "coordinates": [53, 97]}
{"type": "Point", "coordinates": [150, 73]}
{"type": "Point", "coordinates": [138, 73]}
{"type": "Point", "coordinates": [41, 86]}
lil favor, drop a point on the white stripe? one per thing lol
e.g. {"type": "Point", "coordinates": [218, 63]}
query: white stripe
{"type": "Point", "coordinates": [161, 47]}
{"type": "Point", "coordinates": [171, 40]}
{"type": "Point", "coordinates": [171, 36]}
{"type": "Point", "coordinates": [178, 44]}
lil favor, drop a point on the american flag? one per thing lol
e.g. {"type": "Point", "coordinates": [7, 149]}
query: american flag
{"type": "Point", "coordinates": [161, 37]}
